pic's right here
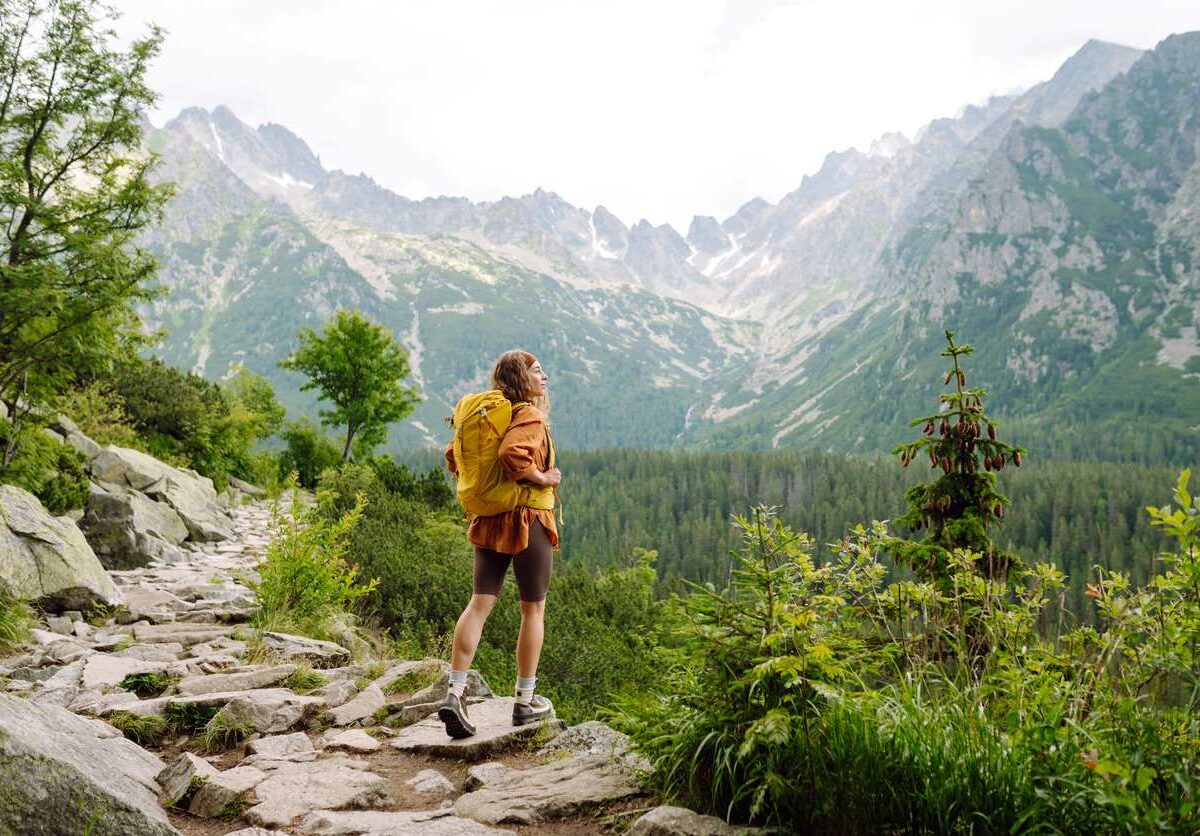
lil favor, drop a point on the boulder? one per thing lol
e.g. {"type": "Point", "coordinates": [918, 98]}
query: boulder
{"type": "Point", "coordinates": [63, 774]}
{"type": "Point", "coordinates": [46, 559]}
{"type": "Point", "coordinates": [317, 653]}
{"type": "Point", "coordinates": [556, 790]}
{"type": "Point", "coordinates": [179, 780]}
{"type": "Point", "coordinates": [679, 821]}
{"type": "Point", "coordinates": [192, 496]}
{"type": "Point", "coordinates": [334, 784]}
{"type": "Point", "coordinates": [86, 447]}
{"type": "Point", "coordinates": [378, 823]}
{"type": "Point", "coordinates": [128, 529]}
{"type": "Point", "coordinates": [102, 669]}
{"type": "Point", "coordinates": [494, 733]}
{"type": "Point", "coordinates": [595, 738]}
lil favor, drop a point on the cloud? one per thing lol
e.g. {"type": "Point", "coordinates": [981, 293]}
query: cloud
{"type": "Point", "coordinates": [654, 109]}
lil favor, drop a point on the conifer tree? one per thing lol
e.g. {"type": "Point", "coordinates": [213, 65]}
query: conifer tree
{"type": "Point", "coordinates": [962, 503]}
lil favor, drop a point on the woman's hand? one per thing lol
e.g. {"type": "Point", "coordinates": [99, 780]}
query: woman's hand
{"type": "Point", "coordinates": [551, 478]}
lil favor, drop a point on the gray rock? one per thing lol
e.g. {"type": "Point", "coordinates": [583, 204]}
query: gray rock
{"type": "Point", "coordinates": [46, 559]}
{"type": "Point", "coordinates": [225, 793]}
{"type": "Point", "coordinates": [128, 529]}
{"type": "Point", "coordinates": [279, 746]}
{"type": "Point", "coordinates": [679, 821]}
{"type": "Point", "coordinates": [246, 680]}
{"type": "Point", "coordinates": [184, 634]}
{"type": "Point", "coordinates": [333, 784]}
{"type": "Point", "coordinates": [360, 708]}
{"type": "Point", "coordinates": [494, 733]}
{"type": "Point", "coordinates": [61, 774]}
{"type": "Point", "coordinates": [595, 738]}
{"type": "Point", "coordinates": [481, 774]}
{"type": "Point", "coordinates": [54, 436]}
{"type": "Point", "coordinates": [193, 497]}
{"type": "Point", "coordinates": [86, 447]}
{"type": "Point", "coordinates": [350, 740]}
{"type": "Point", "coordinates": [436, 692]}
{"type": "Point", "coordinates": [256, 831]}
{"type": "Point", "coordinates": [317, 653]}
{"type": "Point", "coordinates": [271, 710]}
{"type": "Point", "coordinates": [556, 790]}
{"type": "Point", "coordinates": [246, 487]}
{"type": "Point", "coordinates": [336, 693]}
{"type": "Point", "coordinates": [60, 624]}
{"type": "Point", "coordinates": [431, 782]}
{"type": "Point", "coordinates": [178, 779]}
{"type": "Point", "coordinates": [166, 652]}
{"type": "Point", "coordinates": [103, 669]}
{"type": "Point", "coordinates": [377, 823]}
{"type": "Point", "coordinates": [64, 425]}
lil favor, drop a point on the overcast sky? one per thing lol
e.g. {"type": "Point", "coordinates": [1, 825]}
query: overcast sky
{"type": "Point", "coordinates": [654, 109]}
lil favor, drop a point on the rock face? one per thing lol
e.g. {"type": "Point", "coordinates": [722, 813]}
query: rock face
{"type": "Point", "coordinates": [297, 789]}
{"type": "Point", "coordinates": [64, 774]}
{"type": "Point", "coordinates": [191, 496]}
{"type": "Point", "coordinates": [46, 559]}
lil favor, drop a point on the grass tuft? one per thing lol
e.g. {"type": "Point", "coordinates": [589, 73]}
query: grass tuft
{"type": "Point", "coordinates": [221, 734]}
{"type": "Point", "coordinates": [144, 730]}
{"type": "Point", "coordinates": [305, 679]}
{"type": "Point", "coordinates": [414, 680]}
{"type": "Point", "coordinates": [147, 685]}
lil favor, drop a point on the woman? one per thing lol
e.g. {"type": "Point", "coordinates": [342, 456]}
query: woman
{"type": "Point", "coordinates": [524, 537]}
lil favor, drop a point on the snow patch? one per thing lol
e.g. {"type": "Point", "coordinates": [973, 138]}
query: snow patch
{"type": "Point", "coordinates": [286, 181]}
{"type": "Point", "coordinates": [599, 248]}
{"type": "Point", "coordinates": [464, 308]}
{"type": "Point", "coordinates": [202, 357]}
{"type": "Point", "coordinates": [823, 209]}
{"type": "Point", "coordinates": [1177, 351]}
{"type": "Point", "coordinates": [217, 141]}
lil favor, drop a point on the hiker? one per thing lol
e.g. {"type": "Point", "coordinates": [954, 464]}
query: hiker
{"type": "Point", "coordinates": [524, 536]}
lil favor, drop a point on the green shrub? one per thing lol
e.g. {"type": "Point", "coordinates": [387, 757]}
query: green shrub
{"type": "Point", "coordinates": [145, 685]}
{"type": "Point", "coordinates": [99, 413]}
{"type": "Point", "coordinates": [221, 733]}
{"type": "Point", "coordinates": [305, 584]}
{"type": "Point", "coordinates": [414, 680]}
{"type": "Point", "coordinates": [431, 488]}
{"type": "Point", "coordinates": [51, 471]}
{"type": "Point", "coordinates": [15, 618]}
{"type": "Point", "coordinates": [147, 730]}
{"type": "Point", "coordinates": [308, 452]}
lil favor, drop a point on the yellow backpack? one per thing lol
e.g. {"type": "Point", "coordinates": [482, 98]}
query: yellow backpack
{"type": "Point", "coordinates": [480, 421]}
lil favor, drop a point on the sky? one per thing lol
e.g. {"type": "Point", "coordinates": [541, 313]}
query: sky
{"type": "Point", "coordinates": [654, 109]}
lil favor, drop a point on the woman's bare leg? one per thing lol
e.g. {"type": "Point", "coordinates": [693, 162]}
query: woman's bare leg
{"type": "Point", "coordinates": [529, 640]}
{"type": "Point", "coordinates": [469, 630]}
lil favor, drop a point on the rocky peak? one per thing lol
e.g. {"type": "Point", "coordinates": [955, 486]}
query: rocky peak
{"type": "Point", "coordinates": [706, 236]}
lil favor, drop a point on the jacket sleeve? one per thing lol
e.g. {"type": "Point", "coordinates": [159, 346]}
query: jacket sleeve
{"type": "Point", "coordinates": [521, 443]}
{"type": "Point", "coordinates": [450, 463]}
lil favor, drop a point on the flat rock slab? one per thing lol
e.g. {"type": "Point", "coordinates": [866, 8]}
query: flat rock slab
{"type": "Point", "coordinates": [494, 733]}
{"type": "Point", "coordinates": [225, 793]}
{"type": "Point", "coordinates": [556, 790]}
{"type": "Point", "coordinates": [280, 746]}
{"type": "Point", "coordinates": [102, 669]}
{"type": "Point", "coordinates": [184, 634]}
{"type": "Point", "coordinates": [351, 740]}
{"type": "Point", "coordinates": [680, 821]}
{"type": "Point", "coordinates": [335, 784]}
{"type": "Point", "coordinates": [362, 707]}
{"type": "Point", "coordinates": [64, 774]}
{"type": "Point", "coordinates": [372, 823]}
{"type": "Point", "coordinates": [319, 654]}
{"type": "Point", "coordinates": [245, 680]}
{"type": "Point", "coordinates": [271, 710]}
{"type": "Point", "coordinates": [431, 782]}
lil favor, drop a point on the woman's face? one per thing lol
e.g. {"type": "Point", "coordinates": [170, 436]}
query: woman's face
{"type": "Point", "coordinates": [540, 378]}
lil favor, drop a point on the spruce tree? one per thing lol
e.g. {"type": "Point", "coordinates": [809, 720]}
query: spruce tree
{"type": "Point", "coordinates": [958, 508]}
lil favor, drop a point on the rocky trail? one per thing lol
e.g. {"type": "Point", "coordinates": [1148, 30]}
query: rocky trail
{"type": "Point", "coordinates": [266, 733]}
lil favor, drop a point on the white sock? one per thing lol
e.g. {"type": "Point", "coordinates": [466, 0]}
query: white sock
{"type": "Point", "coordinates": [458, 683]}
{"type": "Point", "coordinates": [525, 686]}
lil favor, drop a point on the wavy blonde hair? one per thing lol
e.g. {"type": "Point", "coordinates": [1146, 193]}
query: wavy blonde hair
{"type": "Point", "coordinates": [512, 376]}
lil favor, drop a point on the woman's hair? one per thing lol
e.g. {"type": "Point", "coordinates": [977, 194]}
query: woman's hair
{"type": "Point", "coordinates": [511, 375]}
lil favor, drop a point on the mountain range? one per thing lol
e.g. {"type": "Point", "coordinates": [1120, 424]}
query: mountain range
{"type": "Point", "coordinates": [1055, 229]}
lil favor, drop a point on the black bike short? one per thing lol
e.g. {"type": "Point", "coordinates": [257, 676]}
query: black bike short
{"type": "Point", "coordinates": [532, 567]}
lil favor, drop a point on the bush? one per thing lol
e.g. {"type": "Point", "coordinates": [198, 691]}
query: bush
{"type": "Point", "coordinates": [305, 584]}
{"type": "Point", "coordinates": [816, 698]}
{"type": "Point", "coordinates": [307, 454]}
{"type": "Point", "coordinates": [15, 618]}
{"type": "Point", "coordinates": [51, 471]}
{"type": "Point", "coordinates": [100, 414]}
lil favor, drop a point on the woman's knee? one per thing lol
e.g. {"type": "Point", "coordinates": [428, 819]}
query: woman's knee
{"type": "Point", "coordinates": [481, 605]}
{"type": "Point", "coordinates": [533, 609]}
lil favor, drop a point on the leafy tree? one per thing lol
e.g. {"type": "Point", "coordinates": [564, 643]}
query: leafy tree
{"type": "Point", "coordinates": [308, 452]}
{"type": "Point", "coordinates": [357, 366]}
{"type": "Point", "coordinates": [959, 506]}
{"type": "Point", "coordinates": [74, 191]}
{"type": "Point", "coordinates": [255, 397]}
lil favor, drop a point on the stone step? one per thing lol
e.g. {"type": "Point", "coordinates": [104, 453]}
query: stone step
{"type": "Point", "coordinates": [495, 733]}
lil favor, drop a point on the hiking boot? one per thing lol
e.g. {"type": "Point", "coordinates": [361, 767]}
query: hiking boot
{"type": "Point", "coordinates": [538, 708]}
{"type": "Point", "coordinates": [453, 712]}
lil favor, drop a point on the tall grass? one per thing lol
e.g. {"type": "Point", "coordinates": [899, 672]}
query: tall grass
{"type": "Point", "coordinates": [15, 619]}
